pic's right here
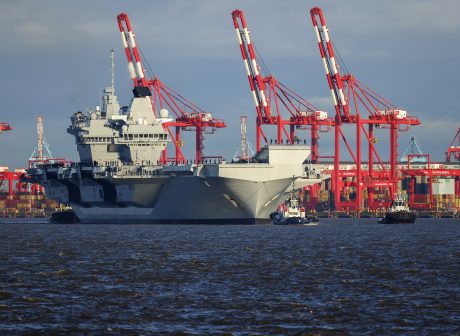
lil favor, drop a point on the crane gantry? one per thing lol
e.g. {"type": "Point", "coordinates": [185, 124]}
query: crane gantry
{"type": "Point", "coordinates": [357, 104]}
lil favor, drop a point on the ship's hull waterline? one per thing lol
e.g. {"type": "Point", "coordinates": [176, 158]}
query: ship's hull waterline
{"type": "Point", "coordinates": [237, 195]}
{"type": "Point", "coordinates": [193, 200]}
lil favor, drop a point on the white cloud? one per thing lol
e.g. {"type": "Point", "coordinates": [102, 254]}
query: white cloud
{"type": "Point", "coordinates": [35, 34]}
{"type": "Point", "coordinates": [394, 16]}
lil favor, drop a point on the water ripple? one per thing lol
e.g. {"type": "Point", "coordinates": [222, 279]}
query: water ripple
{"type": "Point", "coordinates": [339, 278]}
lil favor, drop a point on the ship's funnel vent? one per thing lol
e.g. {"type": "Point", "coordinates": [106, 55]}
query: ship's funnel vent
{"type": "Point", "coordinates": [141, 91]}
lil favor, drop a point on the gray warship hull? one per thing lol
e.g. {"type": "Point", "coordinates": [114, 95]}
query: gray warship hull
{"type": "Point", "coordinates": [227, 193]}
{"type": "Point", "coordinates": [122, 178]}
{"type": "Point", "coordinates": [190, 200]}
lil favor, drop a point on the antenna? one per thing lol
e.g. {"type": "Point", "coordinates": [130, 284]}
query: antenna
{"type": "Point", "coordinates": [42, 150]}
{"type": "Point", "coordinates": [40, 138]}
{"type": "Point", "coordinates": [413, 148]}
{"type": "Point", "coordinates": [112, 57]}
{"type": "Point", "coordinates": [244, 139]}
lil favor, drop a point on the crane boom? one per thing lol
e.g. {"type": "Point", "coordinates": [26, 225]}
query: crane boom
{"type": "Point", "coordinates": [330, 65]}
{"type": "Point", "coordinates": [135, 68]}
{"type": "Point", "coordinates": [256, 81]}
{"type": "Point", "coordinates": [275, 103]}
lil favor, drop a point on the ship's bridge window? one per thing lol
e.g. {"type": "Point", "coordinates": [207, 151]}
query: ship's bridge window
{"type": "Point", "coordinates": [150, 135]}
{"type": "Point", "coordinates": [130, 136]}
{"type": "Point", "coordinates": [155, 136]}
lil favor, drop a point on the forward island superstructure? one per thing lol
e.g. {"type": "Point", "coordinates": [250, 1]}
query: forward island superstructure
{"type": "Point", "coordinates": [120, 179]}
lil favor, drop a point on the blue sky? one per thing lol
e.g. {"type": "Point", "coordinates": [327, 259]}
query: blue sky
{"type": "Point", "coordinates": [55, 60]}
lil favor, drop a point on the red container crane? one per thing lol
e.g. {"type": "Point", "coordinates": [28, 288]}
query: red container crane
{"type": "Point", "coordinates": [353, 102]}
{"type": "Point", "coordinates": [454, 150]}
{"type": "Point", "coordinates": [188, 116]}
{"type": "Point", "coordinates": [271, 97]}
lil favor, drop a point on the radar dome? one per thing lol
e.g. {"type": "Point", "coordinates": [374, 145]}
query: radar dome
{"type": "Point", "coordinates": [164, 113]}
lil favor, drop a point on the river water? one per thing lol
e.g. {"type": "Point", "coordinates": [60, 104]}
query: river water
{"type": "Point", "coordinates": [342, 277]}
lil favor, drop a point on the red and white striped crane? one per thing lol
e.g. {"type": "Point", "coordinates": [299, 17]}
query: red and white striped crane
{"type": "Point", "coordinates": [330, 67]}
{"type": "Point", "coordinates": [271, 97]}
{"type": "Point", "coordinates": [135, 68]}
{"type": "Point", "coordinates": [454, 148]}
{"type": "Point", "coordinates": [353, 102]}
{"type": "Point", "coordinates": [188, 116]}
{"type": "Point", "coordinates": [6, 175]}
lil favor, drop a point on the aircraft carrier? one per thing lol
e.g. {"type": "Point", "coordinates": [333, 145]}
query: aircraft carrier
{"type": "Point", "coordinates": [119, 178]}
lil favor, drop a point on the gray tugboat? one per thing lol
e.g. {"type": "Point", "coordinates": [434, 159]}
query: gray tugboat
{"type": "Point", "coordinates": [399, 212]}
